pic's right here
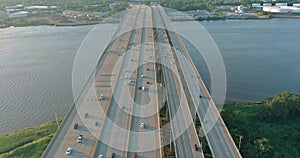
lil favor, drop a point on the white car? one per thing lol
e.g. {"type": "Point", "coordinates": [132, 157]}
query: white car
{"type": "Point", "coordinates": [79, 139]}
{"type": "Point", "coordinates": [101, 97]}
{"type": "Point", "coordinates": [142, 125]}
{"type": "Point", "coordinates": [69, 150]}
{"type": "Point", "coordinates": [100, 156]}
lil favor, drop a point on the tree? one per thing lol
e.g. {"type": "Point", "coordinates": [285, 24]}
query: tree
{"type": "Point", "coordinates": [283, 106]}
{"type": "Point", "coordinates": [263, 147]}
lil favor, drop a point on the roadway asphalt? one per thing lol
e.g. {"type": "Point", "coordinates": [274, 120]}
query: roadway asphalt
{"type": "Point", "coordinates": [111, 119]}
{"type": "Point", "coordinates": [118, 141]}
{"type": "Point", "coordinates": [88, 104]}
{"type": "Point", "coordinates": [145, 143]}
{"type": "Point", "coordinates": [178, 107]}
{"type": "Point", "coordinates": [218, 137]}
{"type": "Point", "coordinates": [112, 139]}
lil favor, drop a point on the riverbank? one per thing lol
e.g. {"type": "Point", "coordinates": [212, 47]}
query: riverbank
{"type": "Point", "coordinates": [267, 129]}
{"type": "Point", "coordinates": [112, 20]}
{"type": "Point", "coordinates": [254, 127]}
{"type": "Point", "coordinates": [55, 20]}
{"type": "Point", "coordinates": [29, 142]}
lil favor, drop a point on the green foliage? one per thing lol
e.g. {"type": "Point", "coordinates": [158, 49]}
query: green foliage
{"type": "Point", "coordinates": [120, 7]}
{"type": "Point", "coordinates": [262, 137]}
{"type": "Point", "coordinates": [29, 142]}
{"type": "Point", "coordinates": [31, 150]}
{"type": "Point", "coordinates": [147, 3]}
{"type": "Point", "coordinates": [194, 5]}
{"type": "Point", "coordinates": [284, 106]}
{"type": "Point", "coordinates": [79, 5]}
{"type": "Point", "coordinates": [183, 5]}
{"type": "Point", "coordinates": [263, 146]}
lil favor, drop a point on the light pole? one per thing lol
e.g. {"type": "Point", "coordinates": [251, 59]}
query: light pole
{"type": "Point", "coordinates": [56, 120]}
{"type": "Point", "coordinates": [241, 137]}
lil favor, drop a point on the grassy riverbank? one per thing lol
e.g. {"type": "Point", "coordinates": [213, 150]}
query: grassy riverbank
{"type": "Point", "coordinates": [27, 143]}
{"type": "Point", "coordinates": [270, 129]}
{"type": "Point", "coordinates": [267, 129]}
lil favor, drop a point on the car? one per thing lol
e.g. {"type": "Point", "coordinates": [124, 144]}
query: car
{"type": "Point", "coordinates": [100, 156]}
{"type": "Point", "coordinates": [79, 139]}
{"type": "Point", "coordinates": [134, 155]}
{"type": "Point", "coordinates": [143, 88]}
{"type": "Point", "coordinates": [142, 125]}
{"type": "Point", "coordinates": [75, 125]}
{"type": "Point", "coordinates": [101, 97]}
{"type": "Point", "coordinates": [113, 155]}
{"type": "Point", "coordinates": [142, 76]}
{"type": "Point", "coordinates": [69, 151]}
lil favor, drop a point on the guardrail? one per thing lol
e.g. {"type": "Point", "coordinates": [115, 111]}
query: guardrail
{"type": "Point", "coordinates": [72, 108]}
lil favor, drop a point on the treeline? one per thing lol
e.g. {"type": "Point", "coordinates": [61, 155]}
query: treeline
{"type": "Point", "coordinates": [79, 5]}
{"type": "Point", "coordinates": [270, 129]}
{"type": "Point", "coordinates": [183, 5]}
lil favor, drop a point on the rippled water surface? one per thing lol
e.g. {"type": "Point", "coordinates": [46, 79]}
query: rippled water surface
{"type": "Point", "coordinates": [262, 57]}
{"type": "Point", "coordinates": [36, 73]}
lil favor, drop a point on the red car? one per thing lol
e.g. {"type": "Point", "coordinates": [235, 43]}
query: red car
{"type": "Point", "coordinates": [134, 155]}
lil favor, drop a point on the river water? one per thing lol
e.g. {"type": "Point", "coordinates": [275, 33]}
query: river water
{"type": "Point", "coordinates": [261, 56]}
{"type": "Point", "coordinates": [261, 59]}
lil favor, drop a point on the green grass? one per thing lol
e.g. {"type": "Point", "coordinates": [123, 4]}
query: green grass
{"type": "Point", "coordinates": [266, 139]}
{"type": "Point", "coordinates": [274, 137]}
{"type": "Point", "coordinates": [27, 143]}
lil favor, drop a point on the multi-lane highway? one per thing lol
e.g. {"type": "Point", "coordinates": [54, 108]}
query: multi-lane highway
{"type": "Point", "coordinates": [145, 141]}
{"type": "Point", "coordinates": [218, 137]}
{"type": "Point", "coordinates": [118, 110]}
{"type": "Point", "coordinates": [87, 114]}
{"type": "Point", "coordinates": [126, 111]}
{"type": "Point", "coordinates": [183, 130]}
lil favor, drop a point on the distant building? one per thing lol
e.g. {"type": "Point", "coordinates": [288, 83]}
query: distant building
{"type": "Point", "coordinates": [267, 4]}
{"type": "Point", "coordinates": [282, 9]}
{"type": "Point", "coordinates": [40, 7]}
{"type": "Point", "coordinates": [296, 5]}
{"type": "Point", "coordinates": [18, 14]}
{"type": "Point", "coordinates": [257, 6]}
{"type": "Point", "coordinates": [14, 8]}
{"type": "Point", "coordinates": [78, 14]}
{"type": "Point", "coordinates": [239, 9]}
{"type": "Point", "coordinates": [280, 4]}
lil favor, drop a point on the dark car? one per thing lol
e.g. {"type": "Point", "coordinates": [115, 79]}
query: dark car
{"type": "Point", "coordinates": [75, 125]}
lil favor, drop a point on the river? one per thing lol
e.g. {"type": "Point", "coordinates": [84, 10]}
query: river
{"type": "Point", "coordinates": [261, 59]}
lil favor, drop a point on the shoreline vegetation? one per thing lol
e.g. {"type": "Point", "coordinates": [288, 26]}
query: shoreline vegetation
{"type": "Point", "coordinates": [270, 128]}
{"type": "Point", "coordinates": [29, 142]}
{"type": "Point", "coordinates": [90, 12]}
{"type": "Point", "coordinates": [20, 13]}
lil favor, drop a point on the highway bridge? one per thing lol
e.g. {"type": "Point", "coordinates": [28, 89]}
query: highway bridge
{"type": "Point", "coordinates": [139, 74]}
